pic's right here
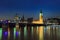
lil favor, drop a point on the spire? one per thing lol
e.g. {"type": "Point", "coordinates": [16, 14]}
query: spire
{"type": "Point", "coordinates": [22, 19]}
{"type": "Point", "coordinates": [41, 11]}
{"type": "Point", "coordinates": [41, 17]}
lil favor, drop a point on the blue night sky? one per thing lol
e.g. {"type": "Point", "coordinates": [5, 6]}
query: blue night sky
{"type": "Point", "coordinates": [30, 8]}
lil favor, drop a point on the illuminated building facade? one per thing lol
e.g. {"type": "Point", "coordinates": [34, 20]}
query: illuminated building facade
{"type": "Point", "coordinates": [40, 21]}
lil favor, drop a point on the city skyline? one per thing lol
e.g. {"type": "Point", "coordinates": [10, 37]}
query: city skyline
{"type": "Point", "coordinates": [30, 8]}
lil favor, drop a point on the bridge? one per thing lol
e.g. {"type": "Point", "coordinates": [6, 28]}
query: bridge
{"type": "Point", "coordinates": [23, 24]}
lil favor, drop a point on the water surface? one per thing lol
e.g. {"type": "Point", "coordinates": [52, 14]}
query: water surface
{"type": "Point", "coordinates": [31, 33]}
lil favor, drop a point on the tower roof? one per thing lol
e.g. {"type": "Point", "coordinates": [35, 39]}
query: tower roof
{"type": "Point", "coordinates": [41, 11]}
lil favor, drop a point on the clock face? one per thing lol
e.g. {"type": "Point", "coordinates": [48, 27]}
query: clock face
{"type": "Point", "coordinates": [41, 14]}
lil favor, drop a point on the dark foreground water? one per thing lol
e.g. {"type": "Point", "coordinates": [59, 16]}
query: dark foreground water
{"type": "Point", "coordinates": [31, 33]}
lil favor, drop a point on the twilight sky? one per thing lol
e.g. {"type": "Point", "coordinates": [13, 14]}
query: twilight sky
{"type": "Point", "coordinates": [30, 8]}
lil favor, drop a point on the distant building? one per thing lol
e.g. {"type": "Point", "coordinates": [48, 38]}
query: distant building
{"type": "Point", "coordinates": [29, 20]}
{"type": "Point", "coordinates": [16, 18]}
{"type": "Point", "coordinates": [53, 21]}
{"type": "Point", "coordinates": [22, 19]}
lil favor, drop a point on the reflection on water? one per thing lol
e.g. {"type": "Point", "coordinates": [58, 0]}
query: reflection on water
{"type": "Point", "coordinates": [41, 31]}
{"type": "Point", "coordinates": [5, 35]}
{"type": "Point", "coordinates": [31, 33]}
{"type": "Point", "coordinates": [0, 33]}
{"type": "Point", "coordinates": [25, 31]}
{"type": "Point", "coordinates": [14, 33]}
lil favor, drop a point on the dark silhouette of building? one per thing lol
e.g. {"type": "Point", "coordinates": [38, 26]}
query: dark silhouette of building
{"type": "Point", "coordinates": [29, 20]}
{"type": "Point", "coordinates": [53, 20]}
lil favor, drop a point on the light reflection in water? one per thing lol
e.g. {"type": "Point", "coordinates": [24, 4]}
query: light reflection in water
{"type": "Point", "coordinates": [0, 33]}
{"type": "Point", "coordinates": [17, 33]}
{"type": "Point", "coordinates": [6, 33]}
{"type": "Point", "coordinates": [25, 31]}
{"type": "Point", "coordinates": [37, 30]}
{"type": "Point", "coordinates": [48, 30]}
{"type": "Point", "coordinates": [14, 32]}
{"type": "Point", "coordinates": [41, 31]}
{"type": "Point", "coordinates": [32, 30]}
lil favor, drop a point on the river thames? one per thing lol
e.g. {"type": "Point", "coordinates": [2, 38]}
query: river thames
{"type": "Point", "coordinates": [31, 33]}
